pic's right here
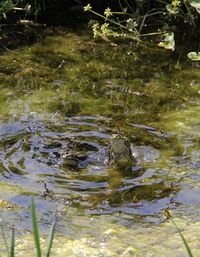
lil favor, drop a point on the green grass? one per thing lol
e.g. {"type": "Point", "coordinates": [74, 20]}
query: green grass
{"type": "Point", "coordinates": [10, 248]}
{"type": "Point", "coordinates": [4, 240]}
{"type": "Point", "coordinates": [37, 234]}
{"type": "Point", "coordinates": [189, 252]}
{"type": "Point", "coordinates": [169, 217]}
{"type": "Point", "coordinates": [12, 243]}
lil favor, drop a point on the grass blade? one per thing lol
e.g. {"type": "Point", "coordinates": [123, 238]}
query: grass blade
{"type": "Point", "coordinates": [12, 243]}
{"type": "Point", "coordinates": [4, 240]}
{"type": "Point", "coordinates": [183, 239]}
{"type": "Point", "coordinates": [35, 229]}
{"type": "Point", "coordinates": [50, 238]}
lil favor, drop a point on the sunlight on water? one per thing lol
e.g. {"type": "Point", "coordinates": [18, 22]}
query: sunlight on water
{"type": "Point", "coordinates": [66, 96]}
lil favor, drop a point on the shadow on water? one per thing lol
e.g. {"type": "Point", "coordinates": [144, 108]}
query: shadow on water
{"type": "Point", "coordinates": [61, 101]}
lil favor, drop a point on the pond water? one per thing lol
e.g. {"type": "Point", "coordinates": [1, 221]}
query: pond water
{"type": "Point", "coordinates": [68, 92]}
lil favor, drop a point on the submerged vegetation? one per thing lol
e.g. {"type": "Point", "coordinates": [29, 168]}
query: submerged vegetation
{"type": "Point", "coordinates": [95, 95]}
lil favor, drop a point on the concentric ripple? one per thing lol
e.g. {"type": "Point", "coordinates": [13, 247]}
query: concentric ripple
{"type": "Point", "coordinates": [32, 156]}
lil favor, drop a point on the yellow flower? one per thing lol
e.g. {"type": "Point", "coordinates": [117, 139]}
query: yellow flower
{"type": "Point", "coordinates": [107, 12]}
{"type": "Point", "coordinates": [95, 28]}
{"type": "Point", "coordinates": [176, 3]}
{"type": "Point", "coordinates": [87, 8]}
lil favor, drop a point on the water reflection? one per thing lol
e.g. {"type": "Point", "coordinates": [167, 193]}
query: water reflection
{"type": "Point", "coordinates": [57, 124]}
{"type": "Point", "coordinates": [73, 164]}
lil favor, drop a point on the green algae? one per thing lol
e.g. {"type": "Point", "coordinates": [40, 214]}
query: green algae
{"type": "Point", "coordinates": [84, 66]}
{"type": "Point", "coordinates": [70, 87]}
{"type": "Point", "coordinates": [105, 235]}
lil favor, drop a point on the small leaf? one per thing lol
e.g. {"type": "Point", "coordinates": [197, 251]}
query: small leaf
{"type": "Point", "coordinates": [171, 9]}
{"type": "Point", "coordinates": [196, 5]}
{"type": "Point", "coordinates": [194, 56]}
{"type": "Point", "coordinates": [168, 42]}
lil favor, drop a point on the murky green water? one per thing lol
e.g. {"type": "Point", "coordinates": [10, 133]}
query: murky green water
{"type": "Point", "coordinates": [70, 92]}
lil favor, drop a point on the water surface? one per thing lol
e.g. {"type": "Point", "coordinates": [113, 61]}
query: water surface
{"type": "Point", "coordinates": [71, 92]}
